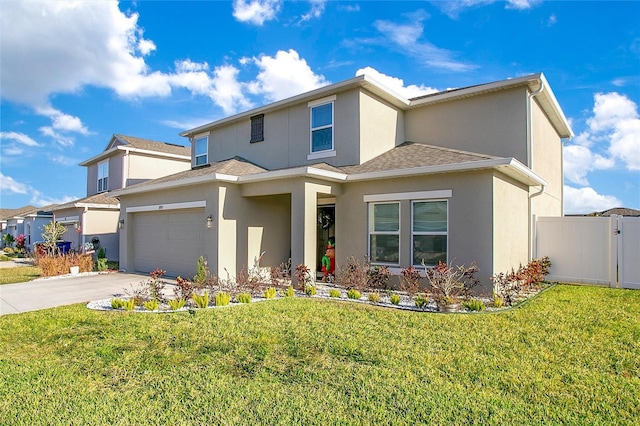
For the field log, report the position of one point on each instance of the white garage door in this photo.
(172, 240)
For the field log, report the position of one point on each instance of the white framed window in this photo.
(201, 150)
(322, 115)
(103, 176)
(429, 231)
(384, 233)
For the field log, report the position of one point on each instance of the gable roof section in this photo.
(19, 212)
(144, 146)
(103, 200)
(546, 98)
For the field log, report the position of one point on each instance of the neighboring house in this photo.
(453, 176)
(26, 220)
(125, 161)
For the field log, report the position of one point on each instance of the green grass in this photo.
(570, 356)
(19, 275)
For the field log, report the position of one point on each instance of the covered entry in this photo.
(171, 240)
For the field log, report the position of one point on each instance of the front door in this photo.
(326, 230)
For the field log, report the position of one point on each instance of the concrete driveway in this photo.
(46, 293)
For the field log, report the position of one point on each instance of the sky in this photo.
(72, 74)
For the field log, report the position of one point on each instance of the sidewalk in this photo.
(50, 292)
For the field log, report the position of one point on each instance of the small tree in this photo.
(53, 231)
(8, 239)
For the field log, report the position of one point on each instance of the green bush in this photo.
(498, 301)
(151, 305)
(117, 303)
(310, 290)
(395, 299)
(474, 305)
(201, 300)
(354, 294)
(175, 304)
(334, 292)
(244, 298)
(420, 301)
(270, 293)
(290, 292)
(374, 297)
(129, 304)
(223, 299)
(101, 264)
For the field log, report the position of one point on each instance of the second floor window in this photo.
(103, 176)
(257, 128)
(201, 150)
(322, 127)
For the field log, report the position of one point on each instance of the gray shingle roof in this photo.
(103, 198)
(410, 155)
(20, 211)
(151, 145)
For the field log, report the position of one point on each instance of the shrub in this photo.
(395, 299)
(101, 264)
(200, 278)
(420, 301)
(270, 293)
(378, 277)
(334, 292)
(290, 292)
(374, 297)
(8, 239)
(20, 241)
(353, 274)
(59, 265)
(508, 285)
(352, 293)
(303, 276)
(449, 282)
(410, 280)
(155, 285)
(244, 298)
(53, 231)
(223, 299)
(175, 304)
(129, 304)
(310, 290)
(497, 301)
(183, 289)
(201, 300)
(117, 303)
(151, 305)
(474, 305)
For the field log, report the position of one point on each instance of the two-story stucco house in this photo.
(456, 175)
(125, 161)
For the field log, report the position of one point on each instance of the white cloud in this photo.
(452, 8)
(405, 37)
(579, 161)
(396, 84)
(317, 9)
(39, 199)
(256, 11)
(587, 200)
(64, 160)
(18, 137)
(8, 185)
(284, 75)
(59, 138)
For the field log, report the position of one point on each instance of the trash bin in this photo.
(63, 246)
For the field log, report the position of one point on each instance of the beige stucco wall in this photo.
(104, 225)
(547, 162)
(493, 124)
(141, 167)
(510, 224)
(115, 174)
(381, 126)
(470, 222)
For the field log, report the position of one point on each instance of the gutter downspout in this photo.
(82, 226)
(530, 97)
(125, 168)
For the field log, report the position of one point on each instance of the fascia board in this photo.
(214, 177)
(101, 156)
(111, 151)
(98, 206)
(359, 81)
(293, 173)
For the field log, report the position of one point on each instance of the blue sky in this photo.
(73, 74)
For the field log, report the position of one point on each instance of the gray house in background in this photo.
(453, 176)
(27, 220)
(125, 161)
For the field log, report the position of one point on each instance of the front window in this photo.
(429, 232)
(257, 128)
(322, 127)
(103, 176)
(384, 233)
(201, 150)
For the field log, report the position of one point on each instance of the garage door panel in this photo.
(172, 241)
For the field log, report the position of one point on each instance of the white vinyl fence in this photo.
(591, 250)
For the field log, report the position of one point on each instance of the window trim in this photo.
(414, 233)
(371, 231)
(257, 137)
(315, 104)
(102, 183)
(195, 148)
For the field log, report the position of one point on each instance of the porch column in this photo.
(304, 226)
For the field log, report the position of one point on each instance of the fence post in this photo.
(613, 251)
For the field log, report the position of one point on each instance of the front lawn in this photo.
(19, 274)
(572, 355)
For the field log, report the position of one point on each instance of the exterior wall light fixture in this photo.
(209, 221)
(121, 224)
